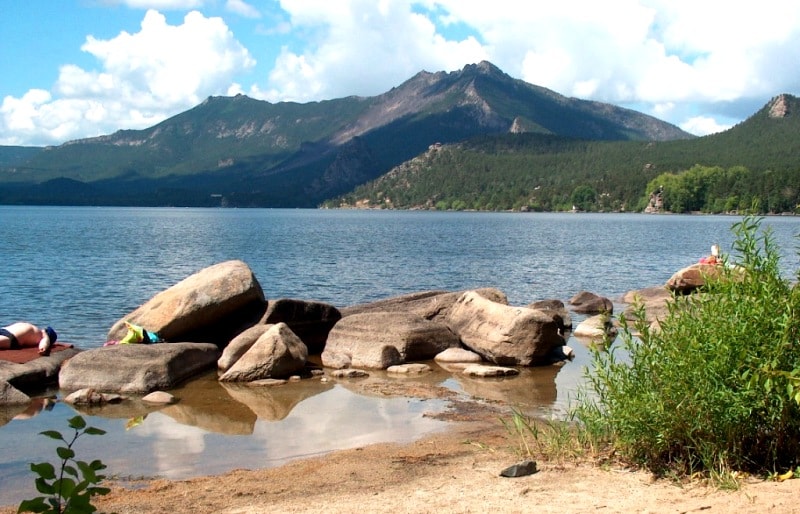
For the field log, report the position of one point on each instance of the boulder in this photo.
(37, 374)
(431, 305)
(557, 308)
(503, 334)
(276, 354)
(310, 321)
(211, 306)
(586, 302)
(381, 339)
(10, 395)
(691, 278)
(137, 368)
(653, 299)
(234, 350)
(596, 327)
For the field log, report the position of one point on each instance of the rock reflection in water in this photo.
(533, 391)
(274, 403)
(205, 404)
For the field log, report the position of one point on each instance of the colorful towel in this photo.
(29, 353)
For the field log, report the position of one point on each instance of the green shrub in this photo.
(70, 490)
(717, 388)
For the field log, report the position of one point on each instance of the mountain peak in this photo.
(483, 67)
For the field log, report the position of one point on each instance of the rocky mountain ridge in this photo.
(257, 153)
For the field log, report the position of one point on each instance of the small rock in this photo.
(522, 469)
(409, 369)
(161, 397)
(266, 382)
(457, 355)
(479, 370)
(596, 327)
(349, 373)
(89, 396)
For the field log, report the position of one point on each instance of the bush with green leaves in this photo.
(70, 489)
(717, 387)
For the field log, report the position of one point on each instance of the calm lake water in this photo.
(81, 269)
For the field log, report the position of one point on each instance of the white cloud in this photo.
(163, 4)
(702, 126)
(242, 8)
(645, 52)
(159, 71)
(361, 47)
(660, 55)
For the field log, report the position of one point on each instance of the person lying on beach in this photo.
(25, 335)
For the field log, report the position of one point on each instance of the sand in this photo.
(454, 471)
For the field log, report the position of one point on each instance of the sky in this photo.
(71, 69)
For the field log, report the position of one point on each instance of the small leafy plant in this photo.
(69, 491)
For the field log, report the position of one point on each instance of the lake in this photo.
(80, 269)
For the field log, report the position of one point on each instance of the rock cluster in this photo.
(219, 318)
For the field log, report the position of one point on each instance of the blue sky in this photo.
(71, 69)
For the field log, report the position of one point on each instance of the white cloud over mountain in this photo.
(702, 65)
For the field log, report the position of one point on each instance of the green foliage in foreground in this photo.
(717, 388)
(70, 490)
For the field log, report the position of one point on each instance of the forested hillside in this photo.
(756, 161)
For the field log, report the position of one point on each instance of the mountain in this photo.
(757, 160)
(238, 151)
(11, 156)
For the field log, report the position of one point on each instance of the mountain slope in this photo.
(255, 153)
(547, 172)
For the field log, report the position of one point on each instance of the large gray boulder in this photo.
(692, 278)
(378, 340)
(431, 305)
(654, 300)
(239, 346)
(556, 308)
(10, 395)
(278, 353)
(310, 321)
(38, 374)
(211, 306)
(586, 302)
(502, 334)
(137, 368)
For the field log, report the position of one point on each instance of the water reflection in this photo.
(274, 403)
(211, 431)
(532, 391)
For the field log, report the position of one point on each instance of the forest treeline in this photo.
(756, 162)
